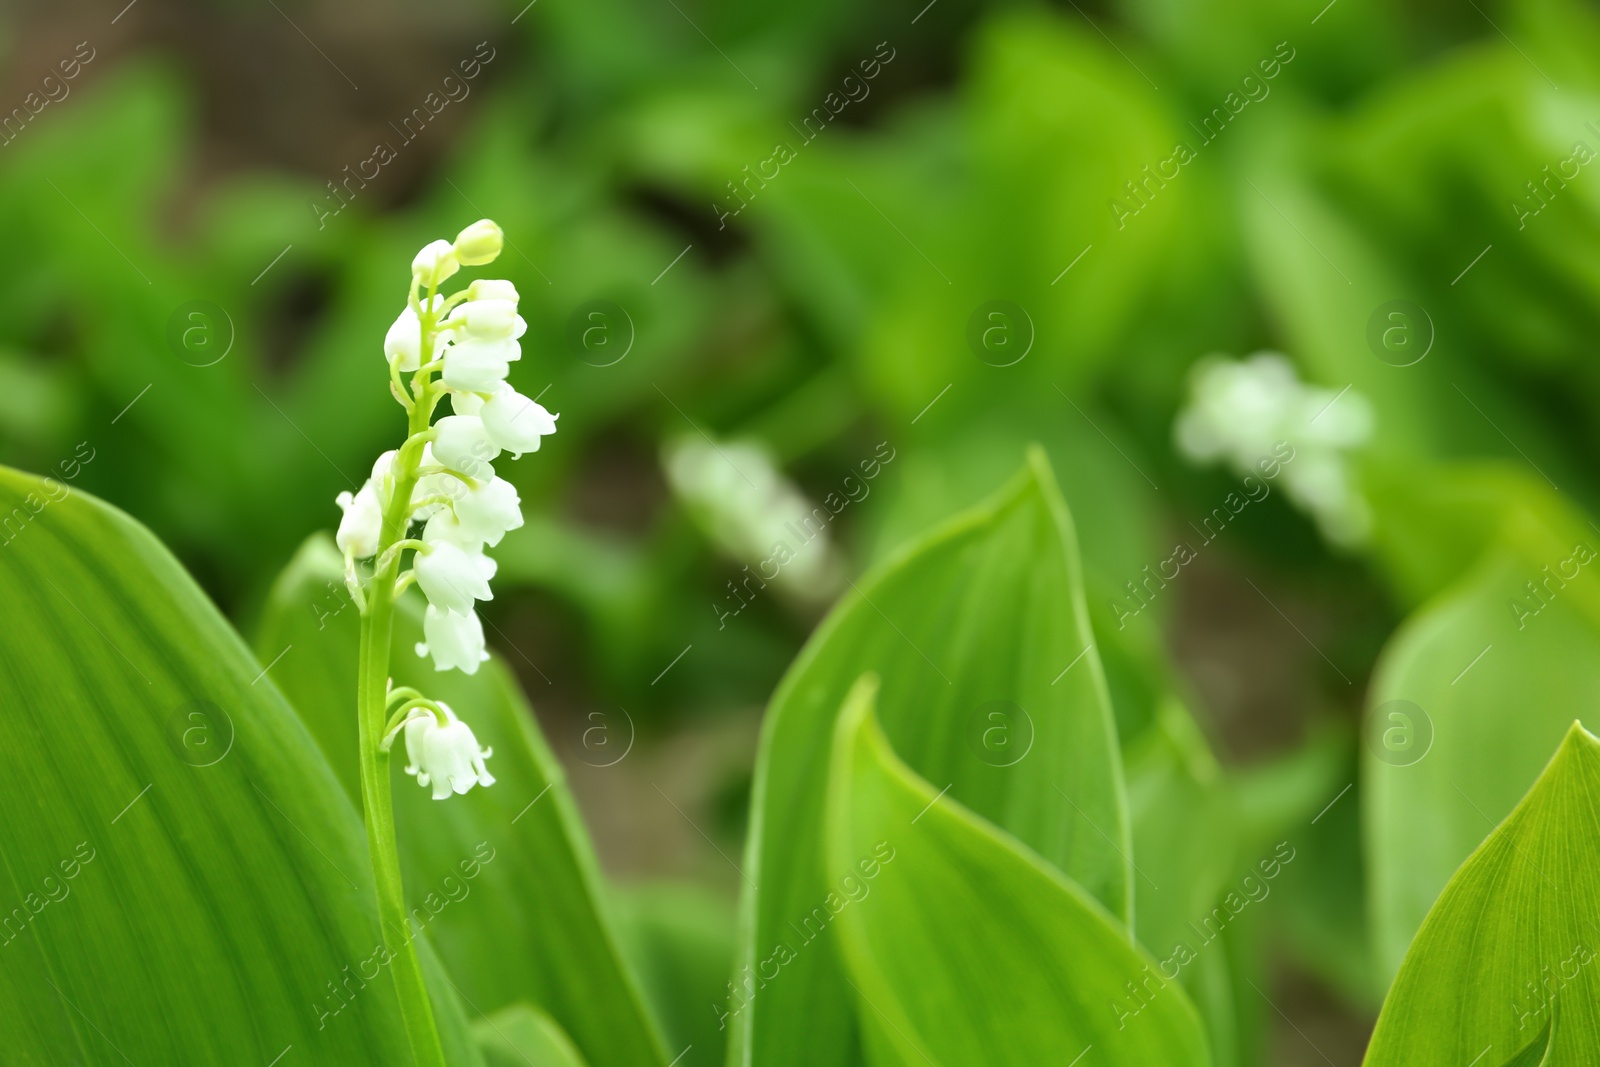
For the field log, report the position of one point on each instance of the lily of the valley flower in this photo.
(362, 524)
(452, 577)
(492, 318)
(479, 364)
(436, 262)
(445, 755)
(463, 444)
(486, 511)
(514, 422)
(402, 345)
(453, 640)
(458, 346)
(1242, 412)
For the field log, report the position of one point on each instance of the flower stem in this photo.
(415, 1008)
(372, 699)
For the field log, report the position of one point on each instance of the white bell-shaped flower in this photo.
(466, 403)
(436, 262)
(362, 525)
(492, 320)
(382, 480)
(433, 485)
(463, 444)
(452, 576)
(403, 343)
(492, 289)
(477, 364)
(445, 756)
(515, 423)
(455, 641)
(488, 510)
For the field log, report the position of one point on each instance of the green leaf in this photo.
(991, 688)
(680, 939)
(1535, 1052)
(964, 946)
(1185, 847)
(184, 880)
(1468, 701)
(520, 1035)
(1435, 521)
(1510, 947)
(528, 922)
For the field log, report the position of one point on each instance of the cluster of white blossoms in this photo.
(443, 479)
(1241, 411)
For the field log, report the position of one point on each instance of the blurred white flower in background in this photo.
(1238, 411)
(756, 516)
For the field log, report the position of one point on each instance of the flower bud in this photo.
(436, 262)
(479, 243)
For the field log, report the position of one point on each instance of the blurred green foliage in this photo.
(1401, 153)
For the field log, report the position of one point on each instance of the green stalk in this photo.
(377, 627)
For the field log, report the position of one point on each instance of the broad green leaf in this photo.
(1325, 278)
(1182, 826)
(680, 940)
(520, 1035)
(1435, 521)
(1185, 848)
(1509, 949)
(1468, 701)
(1535, 1052)
(965, 947)
(991, 688)
(185, 882)
(507, 873)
